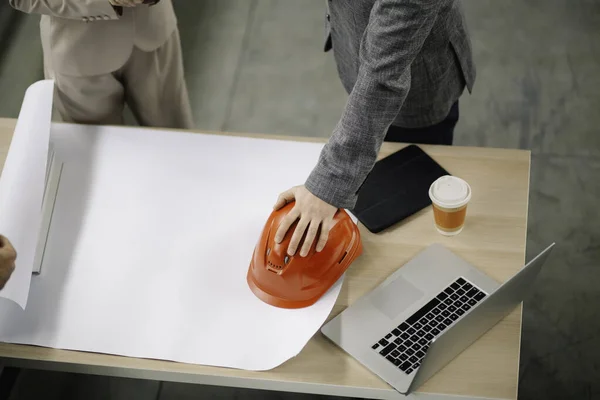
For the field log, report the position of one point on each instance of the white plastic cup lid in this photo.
(450, 192)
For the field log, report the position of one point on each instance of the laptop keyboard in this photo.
(406, 345)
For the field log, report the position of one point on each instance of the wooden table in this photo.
(493, 240)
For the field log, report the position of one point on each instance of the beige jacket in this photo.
(88, 37)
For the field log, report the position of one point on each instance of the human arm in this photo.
(393, 38)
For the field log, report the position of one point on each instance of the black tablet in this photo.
(396, 188)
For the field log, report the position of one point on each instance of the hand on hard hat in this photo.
(312, 213)
(8, 255)
(290, 281)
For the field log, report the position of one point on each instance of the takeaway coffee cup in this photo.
(449, 196)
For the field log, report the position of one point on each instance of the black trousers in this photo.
(441, 133)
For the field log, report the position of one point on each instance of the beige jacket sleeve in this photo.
(85, 10)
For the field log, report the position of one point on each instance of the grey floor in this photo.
(258, 66)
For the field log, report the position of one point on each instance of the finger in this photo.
(5, 273)
(297, 236)
(313, 228)
(7, 251)
(323, 237)
(285, 224)
(284, 198)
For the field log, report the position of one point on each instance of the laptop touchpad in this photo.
(395, 297)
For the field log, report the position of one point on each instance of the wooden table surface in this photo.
(493, 240)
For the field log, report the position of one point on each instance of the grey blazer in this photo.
(403, 62)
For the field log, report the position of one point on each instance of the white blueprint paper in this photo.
(22, 186)
(149, 246)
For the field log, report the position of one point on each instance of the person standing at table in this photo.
(103, 54)
(404, 63)
(8, 256)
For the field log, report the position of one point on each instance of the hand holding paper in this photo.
(22, 186)
(8, 255)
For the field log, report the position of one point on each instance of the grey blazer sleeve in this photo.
(394, 36)
(70, 9)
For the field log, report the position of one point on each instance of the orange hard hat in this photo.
(294, 281)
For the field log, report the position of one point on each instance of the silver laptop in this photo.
(425, 314)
